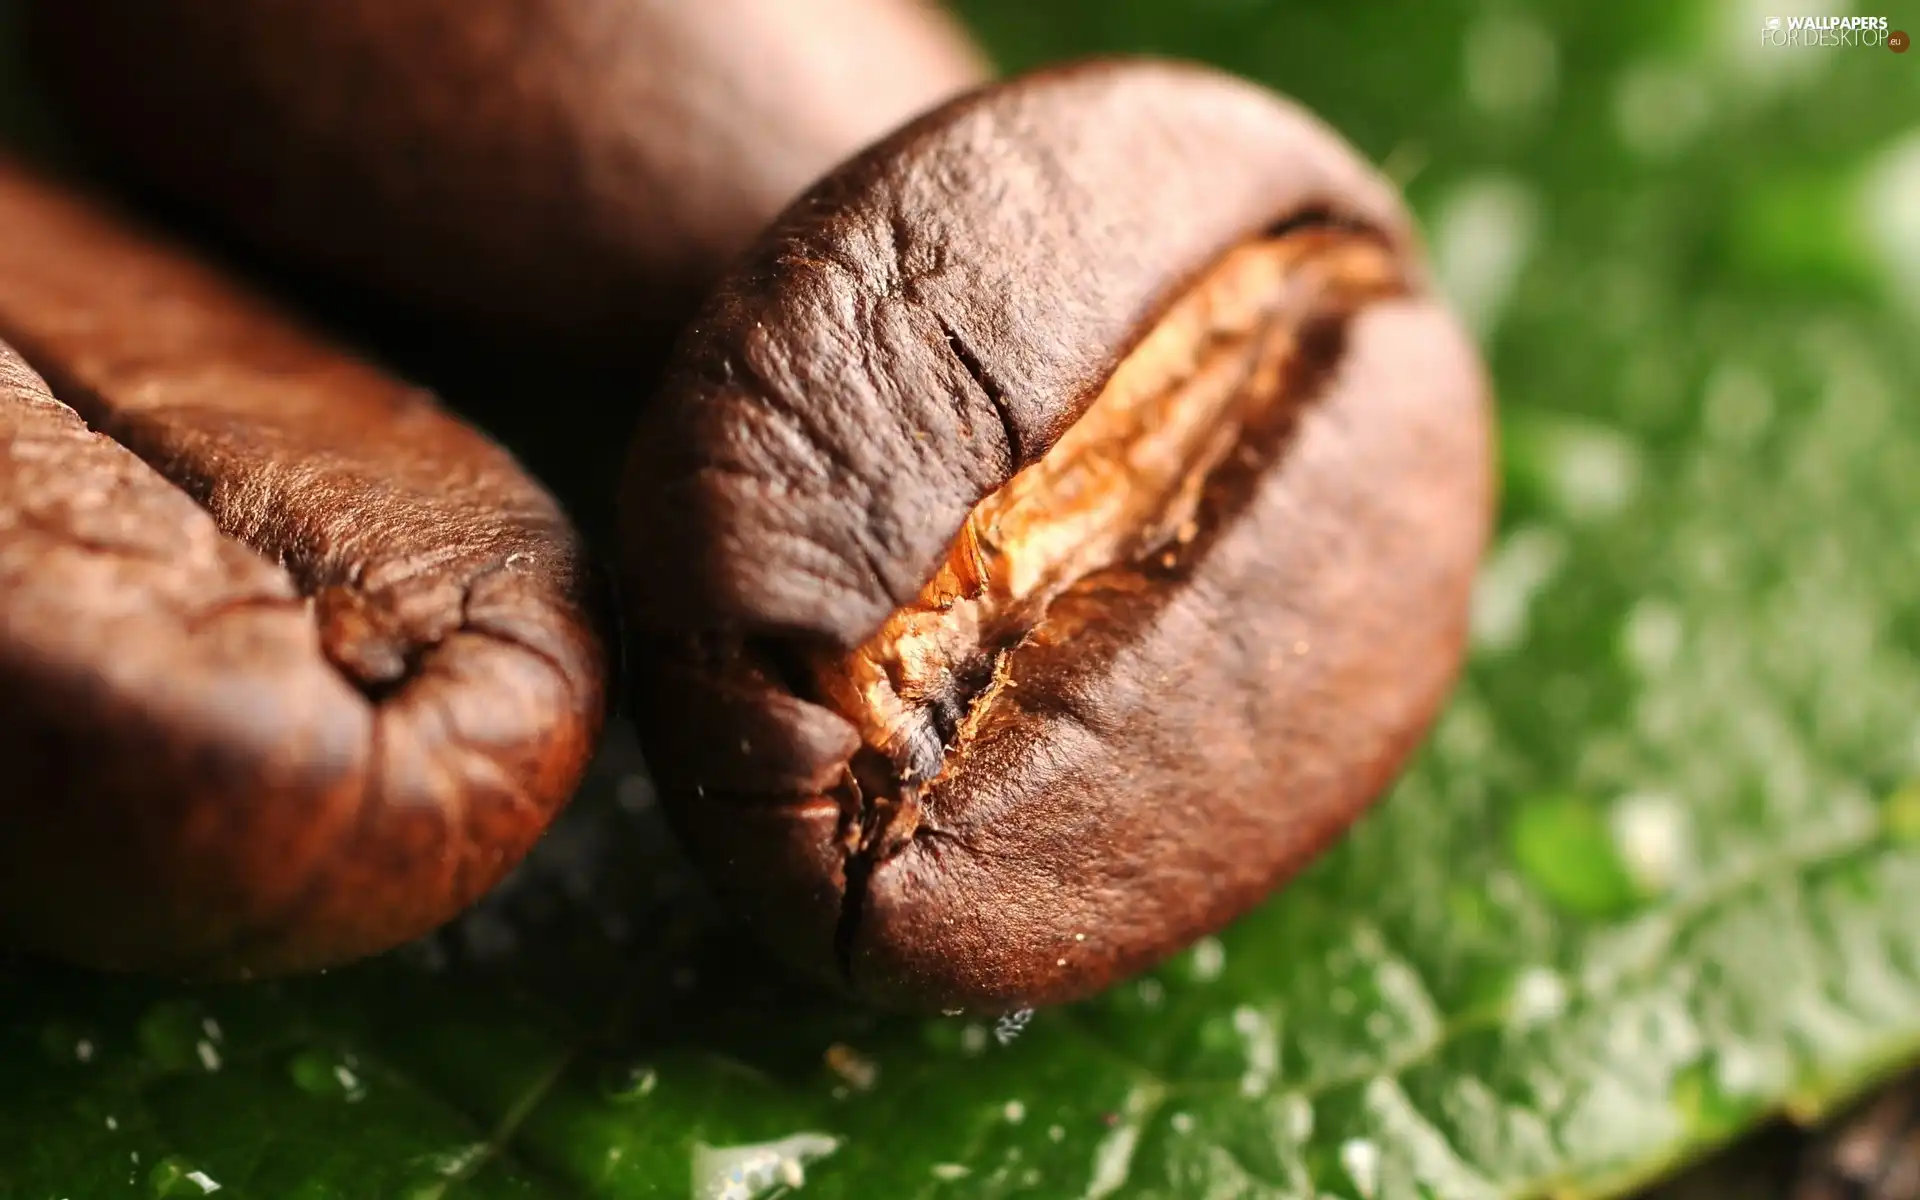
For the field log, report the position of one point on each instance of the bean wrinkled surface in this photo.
(1053, 533)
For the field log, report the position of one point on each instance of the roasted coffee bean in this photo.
(293, 666)
(561, 168)
(1052, 535)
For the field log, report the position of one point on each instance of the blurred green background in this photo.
(1652, 883)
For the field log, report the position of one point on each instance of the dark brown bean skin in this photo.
(293, 665)
(575, 169)
(1176, 733)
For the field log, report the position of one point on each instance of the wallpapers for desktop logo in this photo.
(1872, 32)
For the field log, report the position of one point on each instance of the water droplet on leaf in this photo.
(754, 1171)
(1710, 1108)
(1207, 959)
(331, 1076)
(69, 1042)
(1539, 995)
(628, 1083)
(174, 1176)
(1361, 1159)
(170, 1034)
(1566, 849)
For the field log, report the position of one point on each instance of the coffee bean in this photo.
(293, 666)
(567, 168)
(1052, 535)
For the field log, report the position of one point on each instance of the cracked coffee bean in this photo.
(293, 665)
(1052, 535)
(571, 169)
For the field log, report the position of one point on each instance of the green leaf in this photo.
(1652, 880)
